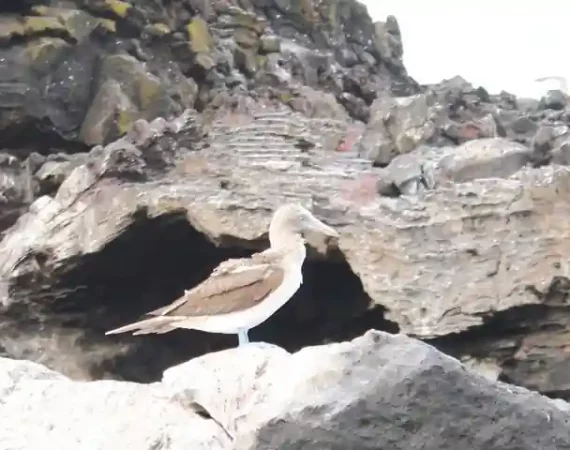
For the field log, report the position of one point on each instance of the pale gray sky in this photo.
(498, 44)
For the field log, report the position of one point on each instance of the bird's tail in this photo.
(156, 325)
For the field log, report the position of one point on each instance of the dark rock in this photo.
(376, 143)
(405, 123)
(485, 127)
(524, 125)
(35, 161)
(356, 107)
(54, 172)
(554, 99)
(314, 103)
(483, 158)
(546, 138)
(388, 40)
(386, 187)
(406, 173)
(387, 384)
(126, 92)
(246, 60)
(378, 386)
(17, 188)
(170, 44)
(270, 44)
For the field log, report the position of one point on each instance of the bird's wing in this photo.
(234, 287)
(235, 264)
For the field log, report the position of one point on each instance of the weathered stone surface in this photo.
(454, 112)
(554, 99)
(376, 143)
(444, 262)
(482, 158)
(392, 392)
(377, 391)
(55, 170)
(17, 188)
(95, 415)
(411, 124)
(459, 238)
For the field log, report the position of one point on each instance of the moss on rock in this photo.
(199, 36)
(118, 7)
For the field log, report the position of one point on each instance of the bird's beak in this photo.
(315, 224)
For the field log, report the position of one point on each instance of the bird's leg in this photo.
(242, 337)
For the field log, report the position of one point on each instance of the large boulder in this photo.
(41, 408)
(377, 391)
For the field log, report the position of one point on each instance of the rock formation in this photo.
(144, 142)
(378, 391)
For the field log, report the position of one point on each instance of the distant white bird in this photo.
(242, 293)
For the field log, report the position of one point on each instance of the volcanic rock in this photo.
(377, 391)
(145, 142)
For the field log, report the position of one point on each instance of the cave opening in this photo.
(37, 136)
(154, 260)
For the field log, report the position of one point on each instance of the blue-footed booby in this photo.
(242, 293)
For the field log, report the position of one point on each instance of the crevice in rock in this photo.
(35, 136)
(524, 342)
(149, 265)
(21, 6)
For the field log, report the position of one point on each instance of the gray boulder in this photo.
(377, 391)
(42, 409)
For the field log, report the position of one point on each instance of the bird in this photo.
(242, 293)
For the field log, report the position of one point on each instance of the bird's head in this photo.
(293, 219)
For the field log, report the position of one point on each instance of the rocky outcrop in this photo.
(145, 142)
(454, 112)
(151, 214)
(78, 74)
(378, 391)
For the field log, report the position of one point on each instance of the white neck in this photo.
(282, 237)
(291, 244)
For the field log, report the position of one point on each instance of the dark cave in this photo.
(153, 261)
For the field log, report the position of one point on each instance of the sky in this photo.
(500, 44)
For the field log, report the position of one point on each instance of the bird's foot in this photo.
(243, 339)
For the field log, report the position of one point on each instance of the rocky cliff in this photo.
(144, 142)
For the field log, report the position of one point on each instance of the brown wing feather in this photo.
(264, 257)
(226, 292)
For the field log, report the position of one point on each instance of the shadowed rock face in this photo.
(135, 256)
(149, 265)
